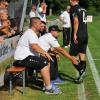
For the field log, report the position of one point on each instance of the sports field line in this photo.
(96, 59)
(94, 70)
(81, 92)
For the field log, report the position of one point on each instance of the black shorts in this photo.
(33, 62)
(81, 47)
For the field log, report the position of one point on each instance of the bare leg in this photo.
(45, 73)
(82, 56)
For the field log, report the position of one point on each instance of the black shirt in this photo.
(82, 16)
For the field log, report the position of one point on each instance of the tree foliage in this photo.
(93, 6)
(57, 5)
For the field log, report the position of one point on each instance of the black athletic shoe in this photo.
(80, 78)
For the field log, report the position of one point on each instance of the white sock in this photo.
(48, 87)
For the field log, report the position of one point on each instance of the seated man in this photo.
(49, 41)
(28, 53)
(43, 28)
(5, 25)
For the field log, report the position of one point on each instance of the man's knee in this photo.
(43, 63)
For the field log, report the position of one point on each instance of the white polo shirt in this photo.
(23, 48)
(66, 19)
(47, 41)
(32, 14)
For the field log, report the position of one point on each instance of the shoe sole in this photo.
(60, 83)
(48, 93)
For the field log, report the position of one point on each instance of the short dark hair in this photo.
(33, 20)
(53, 28)
(43, 22)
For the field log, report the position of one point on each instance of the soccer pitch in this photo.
(88, 90)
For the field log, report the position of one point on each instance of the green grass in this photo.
(94, 41)
(51, 17)
(94, 45)
(66, 70)
(5, 63)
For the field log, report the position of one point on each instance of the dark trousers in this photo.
(53, 68)
(66, 36)
(32, 63)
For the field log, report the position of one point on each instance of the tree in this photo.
(56, 5)
(92, 6)
(97, 5)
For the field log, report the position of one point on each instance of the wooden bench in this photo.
(15, 70)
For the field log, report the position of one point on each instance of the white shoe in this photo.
(65, 47)
(68, 46)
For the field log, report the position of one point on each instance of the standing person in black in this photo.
(79, 36)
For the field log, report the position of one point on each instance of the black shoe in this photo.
(80, 78)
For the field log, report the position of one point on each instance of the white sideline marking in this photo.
(81, 92)
(94, 70)
(96, 59)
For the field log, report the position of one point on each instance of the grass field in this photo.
(71, 91)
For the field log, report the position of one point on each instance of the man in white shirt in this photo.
(65, 18)
(48, 42)
(29, 54)
(33, 11)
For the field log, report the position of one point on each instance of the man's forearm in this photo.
(64, 52)
(38, 49)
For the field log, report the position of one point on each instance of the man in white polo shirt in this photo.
(29, 54)
(65, 18)
(48, 42)
(33, 11)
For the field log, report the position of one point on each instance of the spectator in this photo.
(1, 39)
(79, 36)
(29, 54)
(3, 4)
(53, 64)
(65, 18)
(43, 29)
(33, 11)
(42, 11)
(5, 25)
(49, 43)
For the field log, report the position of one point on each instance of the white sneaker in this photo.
(65, 47)
(53, 90)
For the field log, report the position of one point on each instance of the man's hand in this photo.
(48, 56)
(75, 39)
(74, 60)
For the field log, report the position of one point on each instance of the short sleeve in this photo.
(32, 14)
(54, 42)
(62, 15)
(75, 13)
(33, 39)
